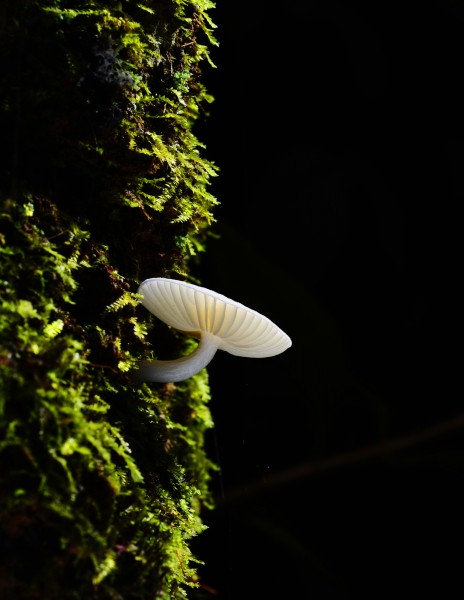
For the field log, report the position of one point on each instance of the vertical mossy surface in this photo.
(102, 184)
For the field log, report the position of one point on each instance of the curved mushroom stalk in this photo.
(167, 371)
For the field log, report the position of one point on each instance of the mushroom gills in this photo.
(167, 371)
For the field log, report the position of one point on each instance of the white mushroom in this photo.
(219, 323)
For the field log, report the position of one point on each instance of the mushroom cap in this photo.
(196, 310)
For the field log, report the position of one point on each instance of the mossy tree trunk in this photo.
(102, 184)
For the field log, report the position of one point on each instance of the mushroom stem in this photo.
(167, 371)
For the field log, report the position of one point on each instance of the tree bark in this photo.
(102, 184)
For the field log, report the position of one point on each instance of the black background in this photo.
(337, 128)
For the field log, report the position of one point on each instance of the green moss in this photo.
(102, 183)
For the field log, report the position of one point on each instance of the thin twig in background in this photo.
(340, 460)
